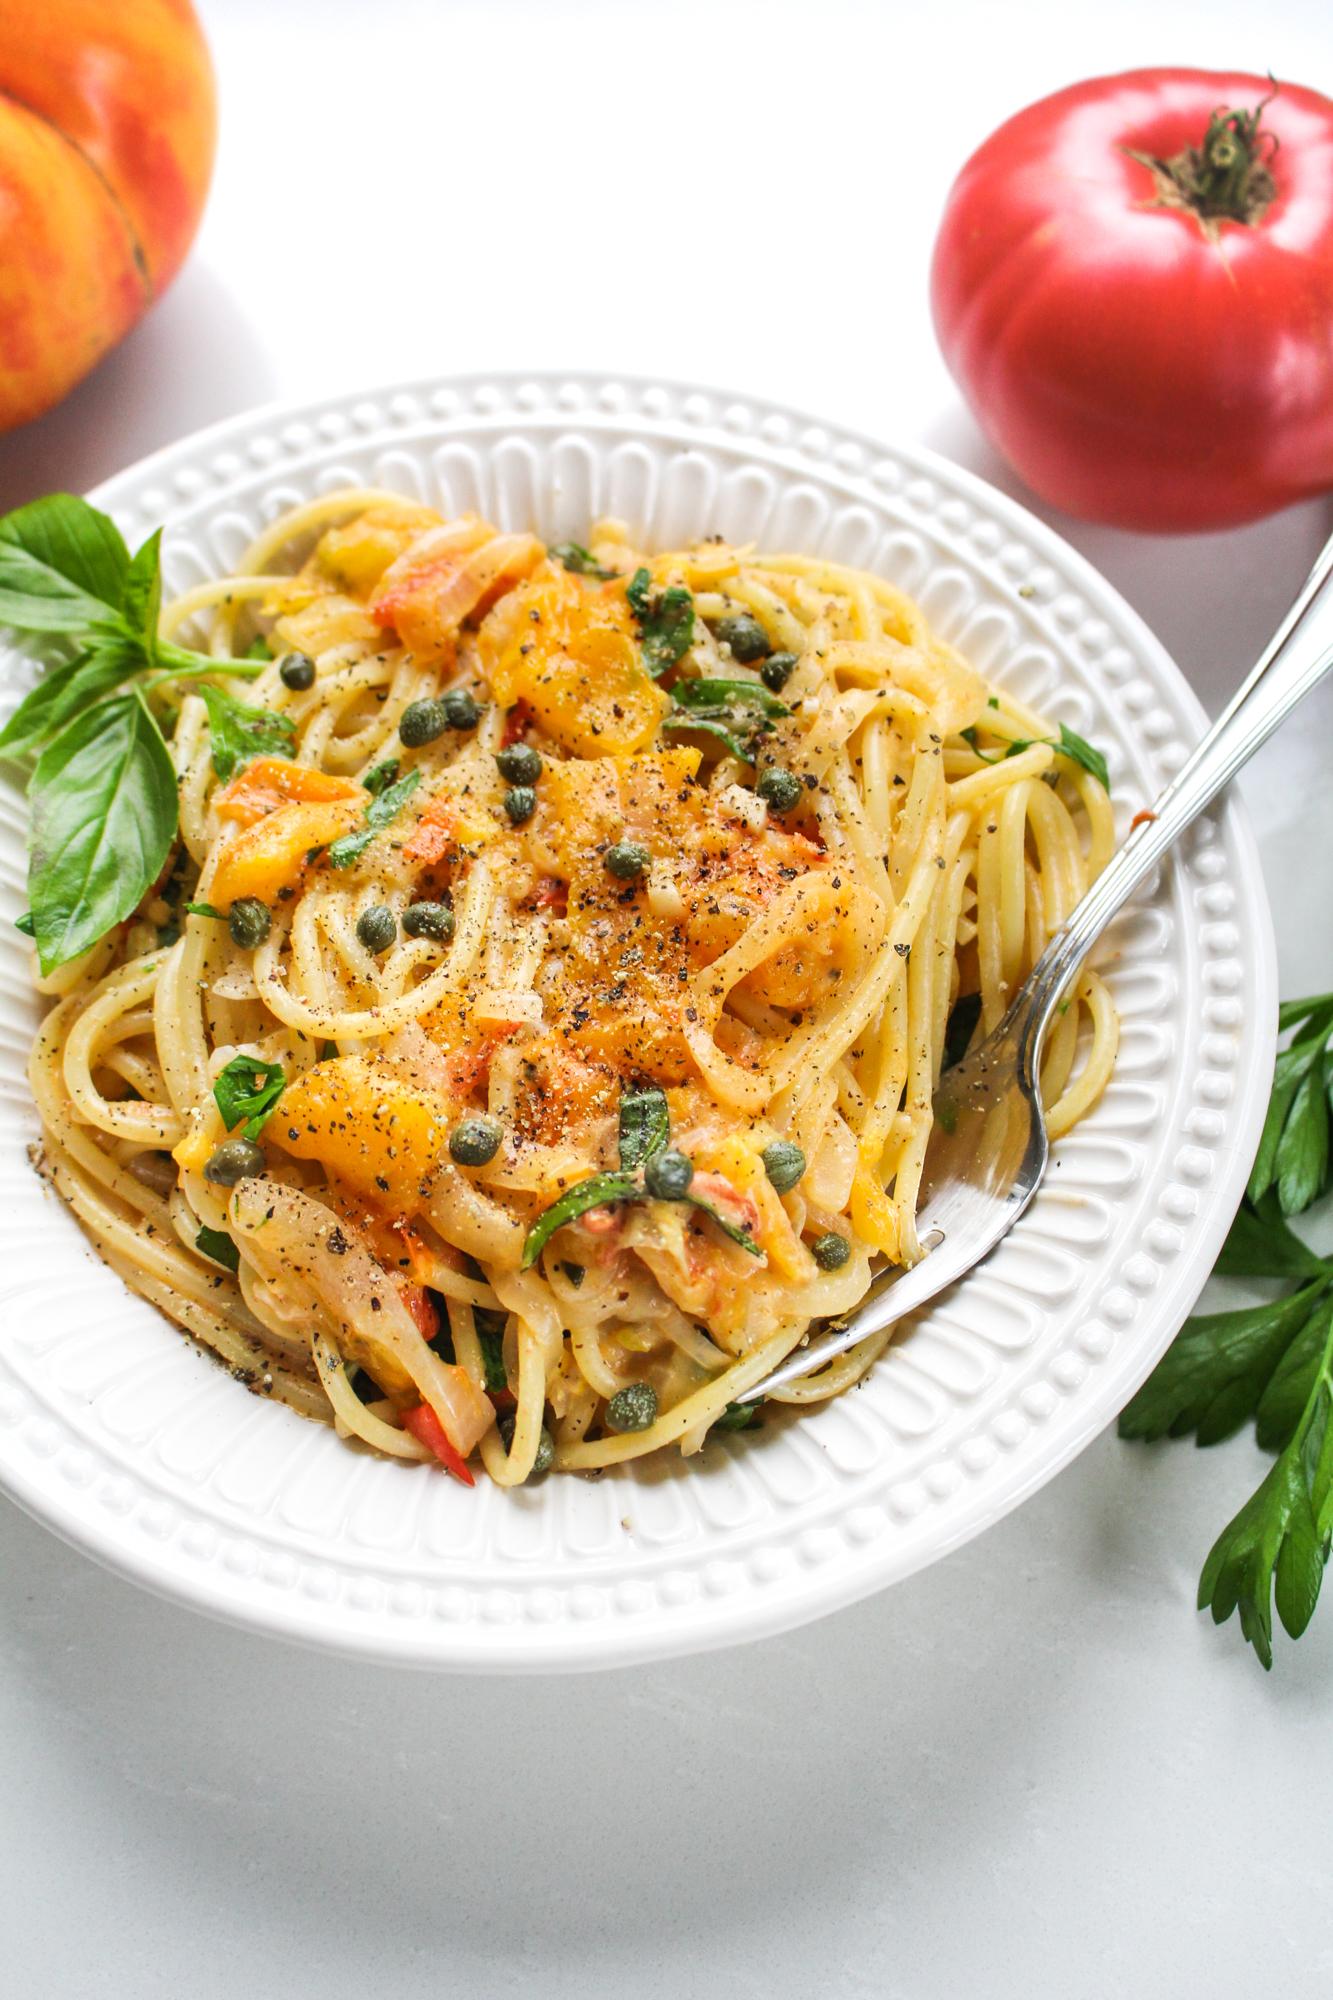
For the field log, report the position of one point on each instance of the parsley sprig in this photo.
(1069, 743)
(103, 787)
(1272, 1362)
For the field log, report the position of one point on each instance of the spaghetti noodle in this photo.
(549, 1032)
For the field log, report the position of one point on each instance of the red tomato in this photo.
(1136, 361)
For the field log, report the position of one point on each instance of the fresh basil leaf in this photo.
(141, 594)
(741, 1236)
(1018, 746)
(216, 1243)
(25, 924)
(711, 693)
(1260, 1245)
(706, 726)
(204, 910)
(62, 565)
(381, 777)
(592, 1193)
(240, 733)
(580, 561)
(1084, 754)
(379, 812)
(103, 819)
(645, 1128)
(258, 649)
(969, 736)
(247, 1091)
(68, 690)
(665, 619)
(1216, 1369)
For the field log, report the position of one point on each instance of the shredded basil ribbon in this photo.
(645, 1131)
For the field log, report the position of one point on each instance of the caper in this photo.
(460, 709)
(429, 920)
(234, 1160)
(520, 763)
(777, 670)
(745, 636)
(377, 927)
(520, 802)
(830, 1252)
(297, 671)
(627, 860)
(249, 922)
(784, 1163)
(545, 1445)
(421, 722)
(633, 1408)
(667, 1175)
(782, 790)
(475, 1141)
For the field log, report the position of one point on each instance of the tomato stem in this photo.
(1229, 178)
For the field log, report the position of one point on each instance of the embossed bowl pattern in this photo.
(136, 1448)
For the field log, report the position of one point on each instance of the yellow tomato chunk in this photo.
(374, 1133)
(572, 657)
(275, 853)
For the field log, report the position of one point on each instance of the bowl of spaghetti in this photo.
(608, 809)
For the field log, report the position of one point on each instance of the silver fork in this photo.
(988, 1148)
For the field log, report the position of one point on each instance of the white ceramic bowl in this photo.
(134, 1447)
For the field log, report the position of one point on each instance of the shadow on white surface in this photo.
(318, 1827)
(1213, 600)
(194, 360)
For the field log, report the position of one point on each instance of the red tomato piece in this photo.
(517, 723)
(1136, 360)
(422, 1309)
(426, 1427)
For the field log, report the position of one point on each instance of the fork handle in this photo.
(1295, 660)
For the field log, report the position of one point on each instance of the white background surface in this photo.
(1032, 1770)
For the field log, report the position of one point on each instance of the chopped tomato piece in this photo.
(517, 723)
(422, 1309)
(550, 894)
(270, 782)
(436, 833)
(426, 1427)
(470, 1068)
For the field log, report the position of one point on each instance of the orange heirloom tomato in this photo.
(107, 129)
